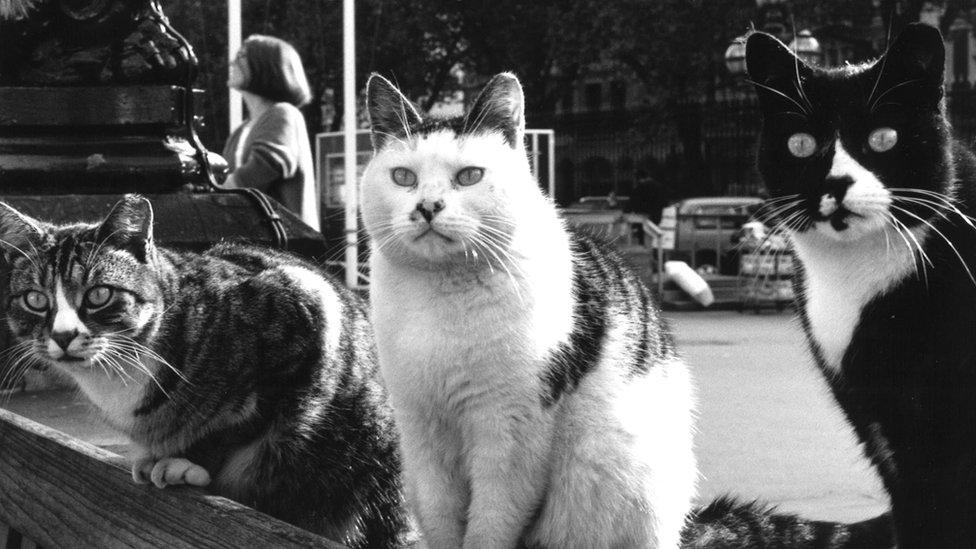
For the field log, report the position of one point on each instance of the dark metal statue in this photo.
(90, 42)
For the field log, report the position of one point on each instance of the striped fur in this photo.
(538, 394)
(726, 523)
(242, 368)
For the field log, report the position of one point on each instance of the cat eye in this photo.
(35, 301)
(469, 176)
(883, 139)
(403, 177)
(98, 296)
(802, 145)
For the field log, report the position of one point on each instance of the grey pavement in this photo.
(767, 428)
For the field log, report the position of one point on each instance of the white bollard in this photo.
(689, 281)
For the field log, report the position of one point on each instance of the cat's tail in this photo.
(727, 523)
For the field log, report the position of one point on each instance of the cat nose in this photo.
(836, 186)
(429, 208)
(64, 339)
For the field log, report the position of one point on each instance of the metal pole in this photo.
(236, 113)
(535, 155)
(349, 127)
(552, 165)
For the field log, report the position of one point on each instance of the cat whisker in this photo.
(777, 229)
(948, 202)
(17, 372)
(17, 353)
(778, 211)
(19, 367)
(482, 116)
(494, 251)
(29, 258)
(763, 251)
(884, 62)
(930, 205)
(391, 136)
(798, 84)
(944, 237)
(101, 360)
(120, 355)
(874, 105)
(803, 110)
(98, 248)
(914, 246)
(142, 350)
(887, 241)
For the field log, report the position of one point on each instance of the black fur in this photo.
(908, 378)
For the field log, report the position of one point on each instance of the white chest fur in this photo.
(841, 277)
(116, 396)
(444, 340)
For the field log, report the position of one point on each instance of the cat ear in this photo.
(916, 56)
(499, 107)
(774, 70)
(130, 226)
(390, 113)
(17, 231)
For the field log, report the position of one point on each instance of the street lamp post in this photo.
(806, 47)
(735, 56)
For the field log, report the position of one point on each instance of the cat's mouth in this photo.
(840, 218)
(432, 233)
(66, 359)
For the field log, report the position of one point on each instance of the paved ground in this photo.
(768, 429)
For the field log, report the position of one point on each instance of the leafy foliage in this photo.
(433, 48)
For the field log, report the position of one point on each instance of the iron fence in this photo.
(695, 148)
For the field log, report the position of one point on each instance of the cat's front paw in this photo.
(169, 472)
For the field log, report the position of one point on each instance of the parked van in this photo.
(700, 230)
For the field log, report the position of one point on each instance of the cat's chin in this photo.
(854, 229)
(68, 364)
(430, 251)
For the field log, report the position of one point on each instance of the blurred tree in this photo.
(432, 48)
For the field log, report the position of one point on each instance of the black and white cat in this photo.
(537, 391)
(877, 199)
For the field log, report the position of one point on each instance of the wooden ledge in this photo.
(58, 491)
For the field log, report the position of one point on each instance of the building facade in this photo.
(612, 138)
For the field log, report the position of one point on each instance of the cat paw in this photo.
(169, 472)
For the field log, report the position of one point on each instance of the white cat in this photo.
(537, 391)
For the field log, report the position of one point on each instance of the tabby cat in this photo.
(877, 199)
(241, 368)
(537, 390)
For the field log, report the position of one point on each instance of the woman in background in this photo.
(270, 150)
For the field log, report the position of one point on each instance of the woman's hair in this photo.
(275, 70)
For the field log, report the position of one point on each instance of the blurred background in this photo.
(647, 99)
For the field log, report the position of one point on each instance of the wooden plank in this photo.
(61, 492)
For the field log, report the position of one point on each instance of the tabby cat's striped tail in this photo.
(727, 523)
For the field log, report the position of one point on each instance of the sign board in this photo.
(333, 182)
(669, 227)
